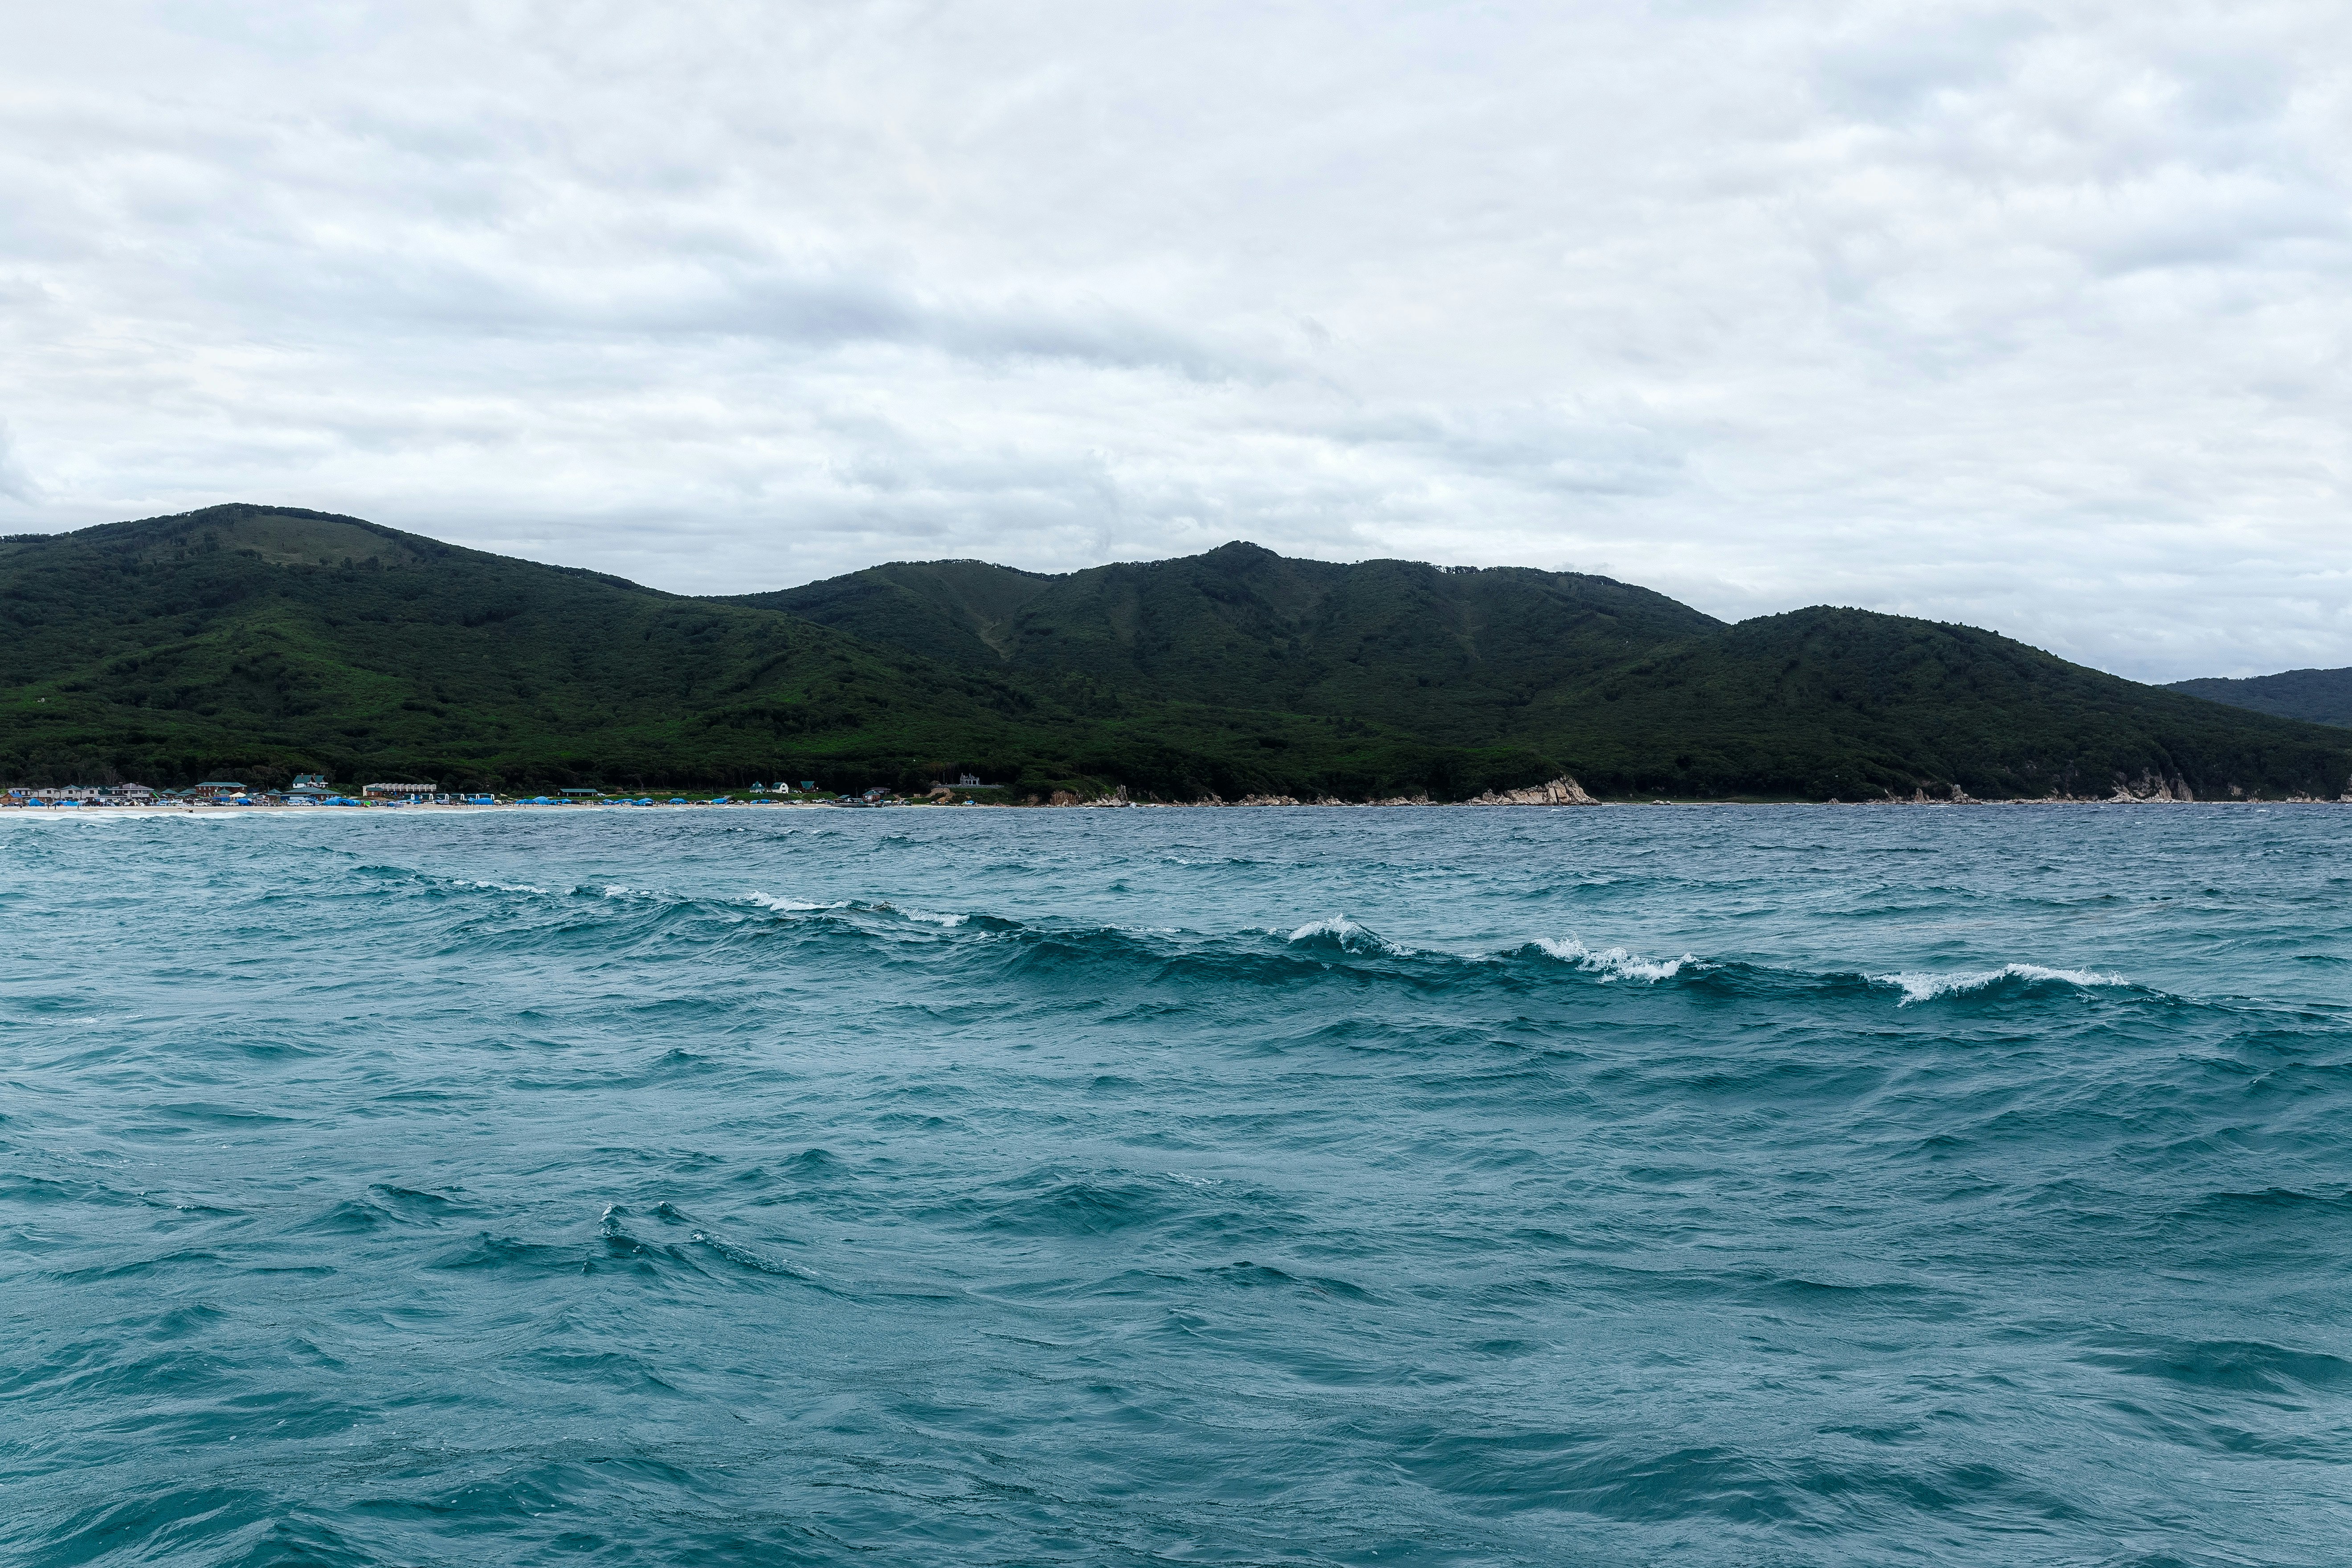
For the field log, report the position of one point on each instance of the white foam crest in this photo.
(948, 921)
(1347, 935)
(1615, 963)
(623, 891)
(1920, 985)
(788, 906)
(498, 887)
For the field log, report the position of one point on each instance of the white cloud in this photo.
(16, 484)
(2029, 318)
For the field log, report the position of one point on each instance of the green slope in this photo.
(1846, 703)
(258, 642)
(1453, 655)
(1632, 692)
(2316, 695)
(958, 611)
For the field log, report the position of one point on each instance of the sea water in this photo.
(1631, 1185)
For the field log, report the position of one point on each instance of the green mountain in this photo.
(1632, 692)
(2318, 696)
(1450, 653)
(256, 642)
(1848, 704)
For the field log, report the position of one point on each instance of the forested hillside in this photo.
(256, 642)
(1848, 704)
(1453, 654)
(1632, 692)
(2318, 696)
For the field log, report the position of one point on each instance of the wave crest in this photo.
(790, 906)
(1615, 963)
(1919, 985)
(1340, 934)
(1334, 941)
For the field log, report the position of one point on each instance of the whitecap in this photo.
(1919, 985)
(1345, 934)
(788, 906)
(1615, 962)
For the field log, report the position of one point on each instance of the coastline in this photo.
(210, 812)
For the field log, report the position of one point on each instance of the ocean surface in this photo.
(1699, 1186)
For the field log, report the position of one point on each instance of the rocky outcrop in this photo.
(2150, 787)
(1561, 791)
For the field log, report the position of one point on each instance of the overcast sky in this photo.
(2032, 317)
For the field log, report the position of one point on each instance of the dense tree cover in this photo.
(1632, 692)
(258, 642)
(1848, 704)
(2319, 696)
(1453, 655)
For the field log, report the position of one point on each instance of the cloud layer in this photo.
(2031, 317)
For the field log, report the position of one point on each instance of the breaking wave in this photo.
(1615, 963)
(1337, 933)
(793, 905)
(1926, 986)
(1320, 944)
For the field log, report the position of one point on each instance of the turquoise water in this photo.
(1674, 1185)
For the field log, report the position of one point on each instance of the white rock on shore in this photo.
(1561, 791)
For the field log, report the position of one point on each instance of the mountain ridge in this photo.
(1267, 631)
(265, 640)
(2314, 696)
(1882, 702)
